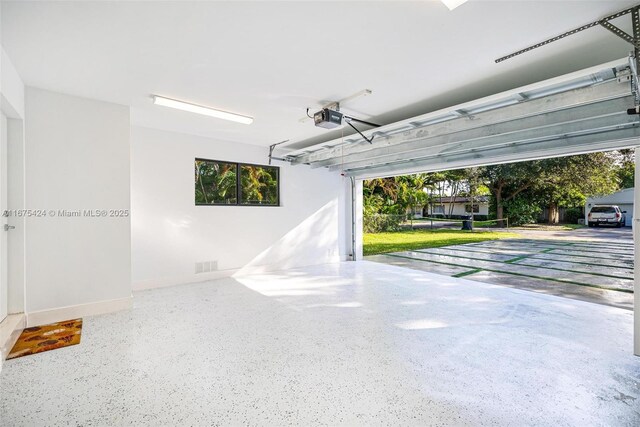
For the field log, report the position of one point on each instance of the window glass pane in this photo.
(259, 185)
(215, 183)
(603, 209)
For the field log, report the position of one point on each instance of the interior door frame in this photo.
(15, 201)
(4, 263)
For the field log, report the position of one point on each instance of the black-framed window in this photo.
(221, 183)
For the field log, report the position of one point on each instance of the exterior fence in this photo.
(377, 223)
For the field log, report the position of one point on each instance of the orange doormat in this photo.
(47, 337)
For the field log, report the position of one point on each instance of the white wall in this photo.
(77, 156)
(11, 88)
(358, 222)
(170, 234)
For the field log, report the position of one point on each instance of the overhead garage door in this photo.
(578, 113)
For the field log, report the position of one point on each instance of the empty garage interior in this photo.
(167, 186)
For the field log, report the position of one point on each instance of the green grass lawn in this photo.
(380, 243)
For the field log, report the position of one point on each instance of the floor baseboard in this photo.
(35, 318)
(142, 285)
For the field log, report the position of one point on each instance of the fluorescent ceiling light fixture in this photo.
(199, 109)
(452, 4)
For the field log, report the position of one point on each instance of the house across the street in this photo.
(623, 199)
(456, 207)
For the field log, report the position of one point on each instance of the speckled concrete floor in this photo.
(353, 344)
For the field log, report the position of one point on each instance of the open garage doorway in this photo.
(501, 225)
(579, 113)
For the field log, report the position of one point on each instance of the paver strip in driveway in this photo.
(596, 271)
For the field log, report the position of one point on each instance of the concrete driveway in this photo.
(589, 234)
(597, 269)
(586, 233)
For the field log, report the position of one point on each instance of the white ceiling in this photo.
(272, 60)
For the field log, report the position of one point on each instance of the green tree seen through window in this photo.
(258, 185)
(218, 183)
(215, 183)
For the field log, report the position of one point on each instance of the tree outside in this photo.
(518, 191)
(217, 183)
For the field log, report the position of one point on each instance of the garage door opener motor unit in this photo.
(328, 119)
(331, 119)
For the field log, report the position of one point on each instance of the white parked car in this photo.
(606, 214)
